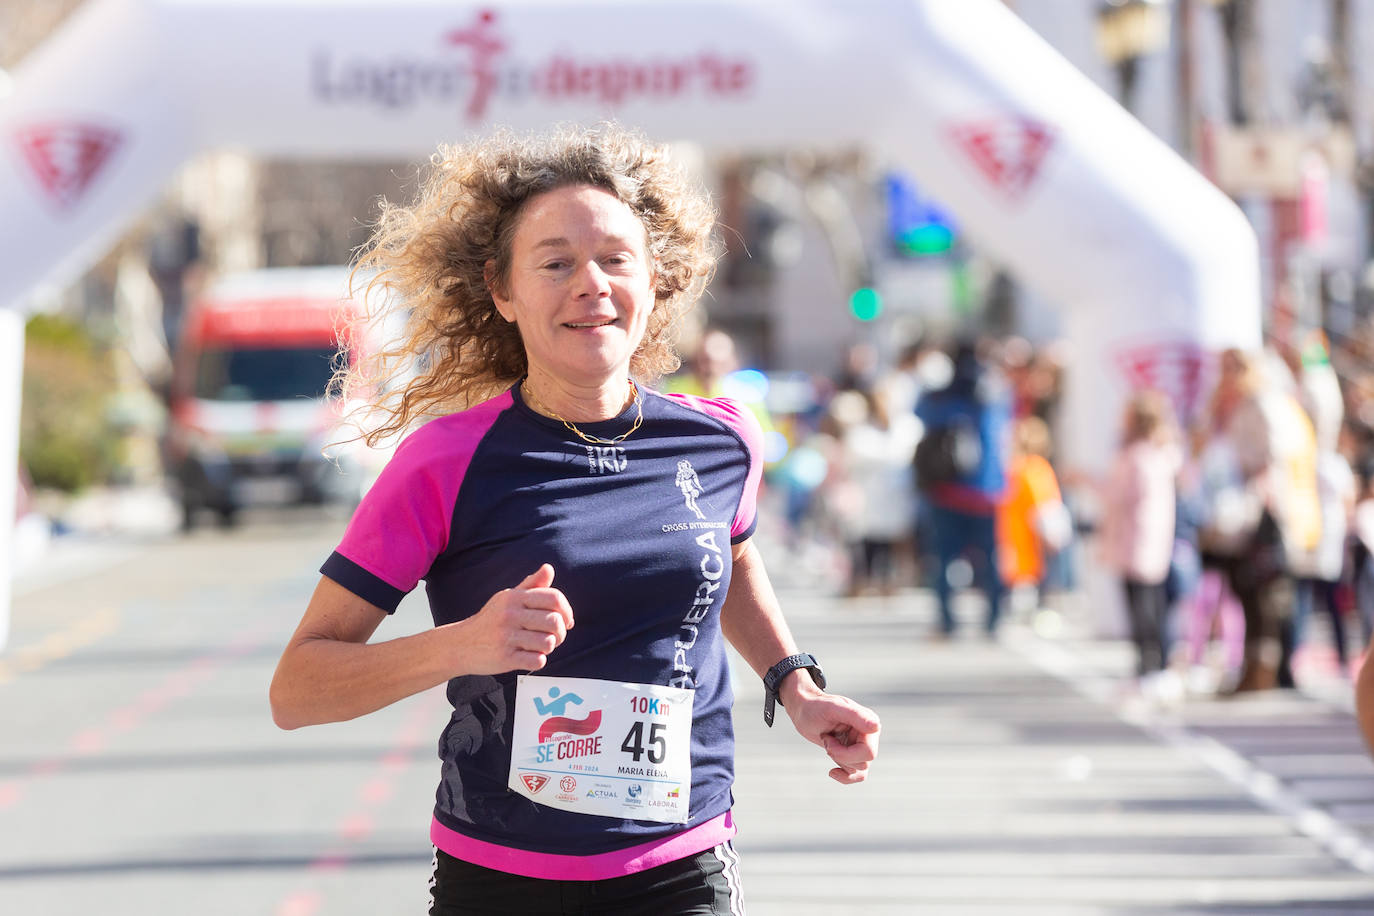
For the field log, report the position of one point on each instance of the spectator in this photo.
(712, 372)
(1138, 528)
(966, 427)
(1268, 513)
(902, 385)
(1212, 614)
(859, 370)
(713, 358)
(1321, 570)
(878, 449)
(1033, 523)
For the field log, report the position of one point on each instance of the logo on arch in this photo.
(481, 64)
(484, 47)
(66, 159)
(1172, 367)
(1008, 151)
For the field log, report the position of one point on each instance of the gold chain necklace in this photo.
(594, 440)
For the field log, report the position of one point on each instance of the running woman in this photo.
(585, 541)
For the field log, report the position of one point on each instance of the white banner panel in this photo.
(1152, 266)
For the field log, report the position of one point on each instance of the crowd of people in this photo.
(1231, 525)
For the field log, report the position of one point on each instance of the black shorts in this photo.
(706, 884)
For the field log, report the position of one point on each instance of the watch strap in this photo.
(773, 679)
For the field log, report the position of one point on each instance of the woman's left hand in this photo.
(847, 731)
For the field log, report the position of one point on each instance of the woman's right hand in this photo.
(518, 627)
(330, 672)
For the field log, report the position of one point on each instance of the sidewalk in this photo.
(91, 530)
(1015, 778)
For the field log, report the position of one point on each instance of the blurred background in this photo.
(826, 252)
(174, 412)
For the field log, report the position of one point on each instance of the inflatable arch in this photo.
(1151, 265)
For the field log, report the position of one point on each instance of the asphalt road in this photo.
(140, 772)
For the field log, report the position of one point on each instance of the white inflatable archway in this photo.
(1151, 265)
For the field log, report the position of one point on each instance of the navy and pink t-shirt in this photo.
(639, 536)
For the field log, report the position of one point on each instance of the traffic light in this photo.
(866, 303)
(917, 225)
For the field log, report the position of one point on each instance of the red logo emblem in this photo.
(533, 781)
(66, 158)
(1008, 151)
(567, 784)
(1173, 367)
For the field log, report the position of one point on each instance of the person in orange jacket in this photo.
(1032, 521)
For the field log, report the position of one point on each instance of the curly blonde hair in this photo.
(427, 262)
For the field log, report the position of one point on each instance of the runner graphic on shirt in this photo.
(690, 485)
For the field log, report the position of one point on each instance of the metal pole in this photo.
(1187, 89)
(1242, 64)
(11, 387)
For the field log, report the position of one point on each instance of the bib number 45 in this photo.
(656, 749)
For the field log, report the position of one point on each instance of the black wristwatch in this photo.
(774, 677)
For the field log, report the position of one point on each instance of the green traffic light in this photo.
(928, 239)
(866, 303)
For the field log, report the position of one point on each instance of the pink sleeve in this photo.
(402, 524)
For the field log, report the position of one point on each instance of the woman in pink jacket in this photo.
(1138, 522)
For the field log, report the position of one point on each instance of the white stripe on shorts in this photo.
(725, 853)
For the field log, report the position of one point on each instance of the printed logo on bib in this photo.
(626, 755)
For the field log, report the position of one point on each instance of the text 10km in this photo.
(650, 706)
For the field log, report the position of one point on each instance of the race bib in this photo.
(602, 747)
